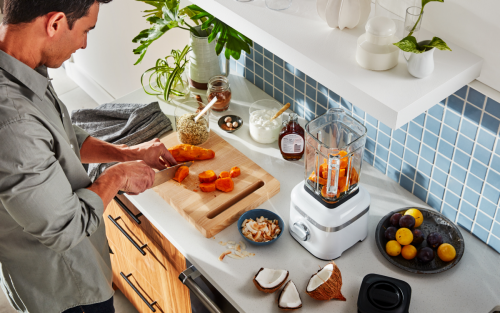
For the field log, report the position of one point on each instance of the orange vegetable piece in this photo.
(207, 187)
(224, 174)
(224, 184)
(341, 187)
(235, 172)
(184, 152)
(313, 177)
(182, 172)
(207, 177)
(354, 176)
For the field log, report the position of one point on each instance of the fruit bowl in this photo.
(433, 222)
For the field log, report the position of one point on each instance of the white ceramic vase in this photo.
(344, 13)
(203, 61)
(421, 65)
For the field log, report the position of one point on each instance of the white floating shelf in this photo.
(301, 38)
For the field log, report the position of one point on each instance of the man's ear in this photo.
(56, 23)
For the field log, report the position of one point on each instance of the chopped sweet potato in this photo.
(224, 184)
(235, 172)
(313, 178)
(184, 152)
(207, 177)
(354, 177)
(207, 187)
(182, 172)
(224, 174)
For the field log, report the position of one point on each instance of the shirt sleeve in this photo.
(36, 192)
(81, 135)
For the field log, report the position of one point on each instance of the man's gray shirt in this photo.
(53, 249)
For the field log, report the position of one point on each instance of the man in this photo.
(54, 254)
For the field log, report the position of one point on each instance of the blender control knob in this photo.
(301, 231)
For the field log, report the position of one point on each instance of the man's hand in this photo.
(154, 153)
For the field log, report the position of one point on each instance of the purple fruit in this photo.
(395, 219)
(434, 240)
(390, 233)
(407, 221)
(418, 237)
(425, 255)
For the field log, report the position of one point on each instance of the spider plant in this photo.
(165, 79)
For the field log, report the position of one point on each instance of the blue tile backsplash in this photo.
(448, 156)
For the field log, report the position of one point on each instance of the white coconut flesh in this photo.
(269, 278)
(290, 296)
(320, 278)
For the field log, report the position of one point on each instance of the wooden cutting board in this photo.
(211, 212)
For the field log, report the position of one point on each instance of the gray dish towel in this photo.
(121, 123)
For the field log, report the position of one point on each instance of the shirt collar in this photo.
(36, 80)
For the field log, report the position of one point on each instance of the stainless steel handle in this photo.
(150, 305)
(132, 241)
(187, 278)
(301, 231)
(132, 215)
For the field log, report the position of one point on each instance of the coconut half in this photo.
(289, 298)
(269, 280)
(326, 284)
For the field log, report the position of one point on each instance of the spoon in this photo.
(209, 105)
(283, 109)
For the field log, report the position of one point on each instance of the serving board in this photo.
(211, 212)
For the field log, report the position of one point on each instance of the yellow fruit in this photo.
(404, 236)
(446, 252)
(419, 218)
(393, 248)
(409, 252)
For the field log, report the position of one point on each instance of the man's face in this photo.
(66, 41)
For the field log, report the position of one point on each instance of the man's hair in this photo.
(25, 11)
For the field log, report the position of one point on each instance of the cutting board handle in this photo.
(242, 195)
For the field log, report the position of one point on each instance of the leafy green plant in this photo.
(410, 44)
(165, 79)
(166, 15)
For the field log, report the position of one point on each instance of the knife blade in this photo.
(168, 173)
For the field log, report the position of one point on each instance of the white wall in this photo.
(109, 59)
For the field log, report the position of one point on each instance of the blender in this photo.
(329, 210)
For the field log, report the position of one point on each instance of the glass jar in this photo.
(278, 5)
(218, 86)
(189, 132)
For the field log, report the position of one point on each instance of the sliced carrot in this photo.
(207, 187)
(235, 172)
(224, 174)
(224, 184)
(207, 177)
(182, 172)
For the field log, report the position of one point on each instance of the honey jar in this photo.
(218, 86)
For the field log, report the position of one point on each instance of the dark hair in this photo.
(25, 11)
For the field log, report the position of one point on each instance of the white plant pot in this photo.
(421, 65)
(203, 61)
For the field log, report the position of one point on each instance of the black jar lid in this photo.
(382, 294)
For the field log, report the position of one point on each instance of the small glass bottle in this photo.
(291, 141)
(218, 86)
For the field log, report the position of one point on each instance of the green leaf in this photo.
(409, 44)
(438, 43)
(424, 2)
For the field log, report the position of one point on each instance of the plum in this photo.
(434, 240)
(418, 237)
(425, 255)
(390, 233)
(407, 221)
(395, 219)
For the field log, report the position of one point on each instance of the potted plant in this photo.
(205, 48)
(421, 61)
(168, 79)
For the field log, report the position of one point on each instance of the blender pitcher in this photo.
(334, 149)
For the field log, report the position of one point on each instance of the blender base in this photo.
(327, 233)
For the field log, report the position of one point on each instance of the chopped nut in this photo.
(221, 257)
(229, 125)
(228, 119)
(235, 124)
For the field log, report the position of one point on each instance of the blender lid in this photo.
(383, 294)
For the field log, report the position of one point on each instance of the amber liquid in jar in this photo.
(291, 140)
(218, 86)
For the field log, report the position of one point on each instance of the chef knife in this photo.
(168, 173)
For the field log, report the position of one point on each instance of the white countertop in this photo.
(299, 36)
(471, 286)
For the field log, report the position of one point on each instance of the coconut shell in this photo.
(268, 290)
(330, 289)
(288, 309)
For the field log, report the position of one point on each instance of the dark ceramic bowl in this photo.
(433, 222)
(254, 214)
(234, 118)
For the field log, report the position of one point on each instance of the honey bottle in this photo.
(291, 140)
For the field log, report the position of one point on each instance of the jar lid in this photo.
(381, 26)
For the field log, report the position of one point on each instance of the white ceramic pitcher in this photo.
(421, 65)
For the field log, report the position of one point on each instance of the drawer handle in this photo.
(150, 306)
(132, 241)
(132, 215)
(187, 278)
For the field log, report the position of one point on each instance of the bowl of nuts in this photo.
(230, 123)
